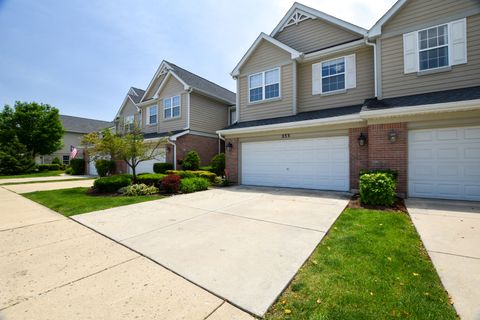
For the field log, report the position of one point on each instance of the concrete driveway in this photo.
(450, 231)
(242, 243)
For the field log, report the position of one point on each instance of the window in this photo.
(233, 116)
(264, 85)
(66, 160)
(128, 123)
(152, 115)
(433, 47)
(171, 107)
(333, 75)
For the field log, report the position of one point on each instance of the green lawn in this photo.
(34, 175)
(74, 201)
(371, 265)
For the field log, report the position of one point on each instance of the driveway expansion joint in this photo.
(455, 255)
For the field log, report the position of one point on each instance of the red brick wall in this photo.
(206, 147)
(231, 160)
(358, 155)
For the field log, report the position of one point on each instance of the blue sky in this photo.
(82, 56)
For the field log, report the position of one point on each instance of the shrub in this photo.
(56, 160)
(205, 168)
(218, 164)
(182, 174)
(377, 189)
(393, 173)
(15, 159)
(105, 167)
(162, 167)
(191, 161)
(49, 167)
(151, 179)
(69, 170)
(210, 176)
(78, 166)
(112, 183)
(190, 185)
(138, 190)
(171, 183)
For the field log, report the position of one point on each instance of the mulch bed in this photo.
(355, 203)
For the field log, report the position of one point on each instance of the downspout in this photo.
(174, 153)
(189, 91)
(375, 76)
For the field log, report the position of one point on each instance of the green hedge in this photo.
(151, 179)
(190, 185)
(112, 183)
(218, 164)
(393, 173)
(49, 167)
(78, 166)
(377, 189)
(191, 161)
(210, 176)
(162, 167)
(105, 167)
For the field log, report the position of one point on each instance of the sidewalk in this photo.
(31, 187)
(54, 268)
(40, 179)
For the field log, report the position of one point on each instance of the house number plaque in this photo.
(285, 135)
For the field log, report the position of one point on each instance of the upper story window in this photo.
(264, 85)
(152, 115)
(433, 47)
(128, 123)
(333, 75)
(232, 117)
(171, 107)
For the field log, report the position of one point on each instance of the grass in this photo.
(44, 181)
(34, 175)
(74, 201)
(371, 265)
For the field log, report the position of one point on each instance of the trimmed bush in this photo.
(162, 167)
(69, 170)
(78, 166)
(210, 176)
(205, 168)
(151, 179)
(218, 164)
(182, 174)
(112, 183)
(377, 189)
(190, 185)
(105, 167)
(393, 173)
(171, 183)
(136, 190)
(49, 167)
(191, 161)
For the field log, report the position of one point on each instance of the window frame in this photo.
(264, 99)
(148, 114)
(329, 76)
(67, 162)
(232, 110)
(172, 107)
(448, 45)
(126, 125)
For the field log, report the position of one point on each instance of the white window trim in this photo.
(172, 106)
(263, 86)
(230, 110)
(344, 75)
(449, 47)
(126, 123)
(148, 115)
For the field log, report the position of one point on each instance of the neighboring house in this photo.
(320, 99)
(75, 128)
(182, 107)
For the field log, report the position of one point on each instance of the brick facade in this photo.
(358, 155)
(206, 147)
(231, 160)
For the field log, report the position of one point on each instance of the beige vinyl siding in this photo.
(148, 128)
(268, 109)
(207, 115)
(423, 12)
(128, 109)
(314, 34)
(266, 56)
(173, 87)
(156, 84)
(364, 89)
(396, 83)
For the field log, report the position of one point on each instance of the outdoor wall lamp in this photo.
(229, 147)
(392, 136)
(362, 140)
(168, 148)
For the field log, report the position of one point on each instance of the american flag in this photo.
(73, 152)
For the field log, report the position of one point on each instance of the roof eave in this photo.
(376, 30)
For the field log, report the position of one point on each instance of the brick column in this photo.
(231, 160)
(358, 155)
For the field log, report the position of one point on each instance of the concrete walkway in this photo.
(450, 231)
(31, 187)
(53, 268)
(41, 179)
(244, 244)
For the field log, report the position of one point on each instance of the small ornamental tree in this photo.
(191, 161)
(218, 164)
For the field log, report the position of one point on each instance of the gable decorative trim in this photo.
(296, 17)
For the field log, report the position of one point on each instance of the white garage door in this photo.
(444, 163)
(147, 166)
(320, 163)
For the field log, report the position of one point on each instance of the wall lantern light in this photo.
(168, 149)
(392, 136)
(229, 147)
(362, 139)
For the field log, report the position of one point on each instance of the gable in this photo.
(170, 88)
(128, 108)
(421, 13)
(265, 55)
(314, 34)
(154, 87)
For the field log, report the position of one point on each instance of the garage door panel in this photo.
(448, 166)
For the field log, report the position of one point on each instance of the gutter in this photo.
(172, 140)
(336, 49)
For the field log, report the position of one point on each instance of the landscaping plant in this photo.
(191, 161)
(49, 167)
(78, 166)
(190, 185)
(15, 159)
(377, 189)
(210, 176)
(218, 164)
(112, 184)
(105, 167)
(151, 179)
(171, 183)
(162, 167)
(136, 190)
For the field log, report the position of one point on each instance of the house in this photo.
(75, 128)
(320, 99)
(182, 107)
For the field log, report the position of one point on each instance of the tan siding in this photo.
(173, 87)
(313, 34)
(265, 56)
(147, 128)
(423, 12)
(156, 84)
(207, 115)
(128, 109)
(396, 83)
(364, 89)
(271, 109)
